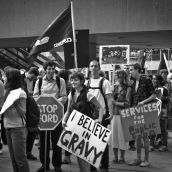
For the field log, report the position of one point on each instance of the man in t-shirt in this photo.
(94, 83)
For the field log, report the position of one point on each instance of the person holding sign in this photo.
(79, 99)
(122, 99)
(14, 109)
(142, 92)
(49, 87)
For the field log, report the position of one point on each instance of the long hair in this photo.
(13, 79)
(123, 77)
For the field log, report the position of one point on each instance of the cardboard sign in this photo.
(140, 120)
(84, 138)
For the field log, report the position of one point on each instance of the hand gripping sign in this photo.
(51, 112)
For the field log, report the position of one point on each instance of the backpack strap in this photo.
(58, 82)
(40, 84)
(103, 94)
(33, 86)
(101, 91)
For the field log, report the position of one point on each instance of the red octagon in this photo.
(51, 112)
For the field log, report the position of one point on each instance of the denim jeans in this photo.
(163, 126)
(30, 141)
(16, 139)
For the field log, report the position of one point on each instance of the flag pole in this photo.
(166, 62)
(74, 36)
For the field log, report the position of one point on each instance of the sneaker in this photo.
(135, 162)
(66, 160)
(151, 148)
(57, 169)
(31, 156)
(121, 161)
(163, 149)
(132, 148)
(42, 169)
(145, 164)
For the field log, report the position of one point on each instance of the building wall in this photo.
(25, 18)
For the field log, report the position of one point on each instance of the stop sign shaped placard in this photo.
(51, 112)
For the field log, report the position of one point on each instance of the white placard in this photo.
(84, 138)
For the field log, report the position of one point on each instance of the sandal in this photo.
(135, 162)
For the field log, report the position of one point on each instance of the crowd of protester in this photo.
(131, 88)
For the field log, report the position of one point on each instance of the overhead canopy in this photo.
(144, 39)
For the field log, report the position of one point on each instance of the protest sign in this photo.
(84, 138)
(51, 112)
(140, 120)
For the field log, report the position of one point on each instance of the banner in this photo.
(59, 32)
(84, 138)
(140, 120)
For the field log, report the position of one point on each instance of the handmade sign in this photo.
(84, 138)
(140, 120)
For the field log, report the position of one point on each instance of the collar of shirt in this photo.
(53, 79)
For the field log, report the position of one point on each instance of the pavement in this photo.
(160, 162)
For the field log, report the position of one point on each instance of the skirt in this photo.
(117, 136)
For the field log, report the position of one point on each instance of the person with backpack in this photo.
(101, 89)
(80, 99)
(14, 120)
(55, 86)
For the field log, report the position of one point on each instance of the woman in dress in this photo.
(122, 99)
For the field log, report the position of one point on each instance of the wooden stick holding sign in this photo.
(51, 113)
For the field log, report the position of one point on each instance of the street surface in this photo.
(160, 162)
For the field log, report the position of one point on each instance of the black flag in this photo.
(82, 46)
(58, 33)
